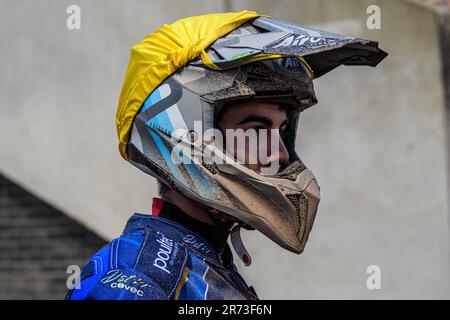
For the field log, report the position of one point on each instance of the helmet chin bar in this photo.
(283, 206)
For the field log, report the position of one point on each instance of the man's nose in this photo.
(283, 154)
(278, 155)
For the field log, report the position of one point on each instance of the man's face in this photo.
(267, 122)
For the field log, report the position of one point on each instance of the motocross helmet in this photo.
(253, 57)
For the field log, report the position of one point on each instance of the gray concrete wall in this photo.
(376, 141)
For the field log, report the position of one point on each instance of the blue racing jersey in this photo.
(156, 258)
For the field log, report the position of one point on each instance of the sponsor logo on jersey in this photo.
(164, 252)
(191, 239)
(116, 279)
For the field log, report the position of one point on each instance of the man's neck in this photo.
(193, 209)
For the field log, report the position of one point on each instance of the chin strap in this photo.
(235, 235)
(238, 246)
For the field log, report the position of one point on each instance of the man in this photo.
(210, 107)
